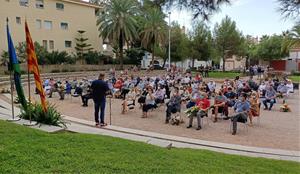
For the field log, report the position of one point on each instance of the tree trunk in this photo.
(193, 62)
(153, 45)
(223, 63)
(247, 63)
(121, 49)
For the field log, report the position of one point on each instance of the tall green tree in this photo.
(82, 47)
(248, 49)
(270, 48)
(118, 23)
(154, 30)
(176, 39)
(227, 39)
(201, 43)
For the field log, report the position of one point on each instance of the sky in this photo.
(253, 17)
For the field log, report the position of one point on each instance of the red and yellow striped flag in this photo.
(34, 67)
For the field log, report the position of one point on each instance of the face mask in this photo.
(201, 97)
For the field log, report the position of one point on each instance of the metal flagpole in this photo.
(11, 90)
(12, 97)
(29, 101)
(109, 110)
(169, 53)
(29, 89)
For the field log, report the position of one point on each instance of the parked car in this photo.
(155, 67)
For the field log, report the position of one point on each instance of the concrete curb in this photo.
(182, 142)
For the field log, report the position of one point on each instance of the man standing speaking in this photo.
(99, 88)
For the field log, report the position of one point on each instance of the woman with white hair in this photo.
(290, 87)
(254, 106)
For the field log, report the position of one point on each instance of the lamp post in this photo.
(169, 55)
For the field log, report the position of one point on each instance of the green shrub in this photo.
(57, 57)
(96, 58)
(134, 56)
(51, 117)
(296, 73)
(55, 71)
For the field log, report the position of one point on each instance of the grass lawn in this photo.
(295, 79)
(222, 75)
(25, 150)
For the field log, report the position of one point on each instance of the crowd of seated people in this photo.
(236, 100)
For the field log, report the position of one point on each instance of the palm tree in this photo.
(154, 30)
(118, 24)
(292, 38)
(295, 35)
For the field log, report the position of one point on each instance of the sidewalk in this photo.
(162, 140)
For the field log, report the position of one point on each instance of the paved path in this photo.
(167, 141)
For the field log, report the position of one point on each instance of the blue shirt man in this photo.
(99, 88)
(270, 97)
(241, 108)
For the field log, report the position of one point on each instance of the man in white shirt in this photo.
(212, 86)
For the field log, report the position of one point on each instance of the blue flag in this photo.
(15, 68)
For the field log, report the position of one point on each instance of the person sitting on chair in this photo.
(282, 90)
(241, 109)
(203, 104)
(68, 88)
(149, 102)
(86, 95)
(254, 106)
(194, 96)
(173, 105)
(78, 90)
(290, 87)
(270, 97)
(231, 96)
(212, 87)
(59, 88)
(220, 106)
(159, 95)
(129, 101)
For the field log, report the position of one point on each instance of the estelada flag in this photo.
(34, 67)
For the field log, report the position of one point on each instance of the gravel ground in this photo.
(276, 129)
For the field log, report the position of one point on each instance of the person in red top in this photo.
(118, 84)
(198, 78)
(203, 104)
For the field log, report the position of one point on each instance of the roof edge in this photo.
(80, 2)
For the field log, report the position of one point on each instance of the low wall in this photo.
(68, 68)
